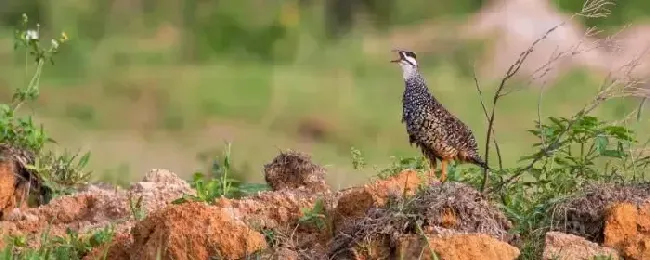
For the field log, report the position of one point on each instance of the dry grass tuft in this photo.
(584, 213)
(429, 210)
(292, 170)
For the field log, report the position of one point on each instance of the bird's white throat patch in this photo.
(408, 70)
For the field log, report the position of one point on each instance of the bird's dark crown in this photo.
(408, 54)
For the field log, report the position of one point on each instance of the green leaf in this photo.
(601, 144)
(612, 153)
(83, 161)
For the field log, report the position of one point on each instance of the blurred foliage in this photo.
(262, 69)
(254, 28)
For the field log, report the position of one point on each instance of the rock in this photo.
(620, 223)
(355, 201)
(560, 246)
(456, 247)
(292, 170)
(163, 176)
(100, 188)
(270, 209)
(194, 231)
(626, 229)
(158, 188)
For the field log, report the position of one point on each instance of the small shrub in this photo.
(59, 173)
(221, 185)
(314, 216)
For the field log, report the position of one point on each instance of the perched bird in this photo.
(439, 134)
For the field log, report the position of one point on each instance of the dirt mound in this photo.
(457, 247)
(292, 170)
(584, 214)
(299, 219)
(95, 207)
(194, 231)
(270, 209)
(446, 209)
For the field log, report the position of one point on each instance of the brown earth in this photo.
(626, 230)
(7, 181)
(392, 218)
(94, 207)
(584, 214)
(561, 246)
(355, 201)
(457, 247)
(194, 230)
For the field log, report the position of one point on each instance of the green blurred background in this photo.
(157, 84)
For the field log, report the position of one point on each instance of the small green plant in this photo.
(58, 172)
(572, 153)
(314, 216)
(70, 246)
(136, 207)
(270, 237)
(221, 185)
(399, 164)
(433, 255)
(358, 161)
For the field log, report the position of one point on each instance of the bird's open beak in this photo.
(398, 59)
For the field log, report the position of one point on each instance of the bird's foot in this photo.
(431, 177)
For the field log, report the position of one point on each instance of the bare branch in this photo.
(485, 112)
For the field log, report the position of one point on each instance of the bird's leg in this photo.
(443, 175)
(432, 170)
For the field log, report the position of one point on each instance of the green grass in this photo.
(261, 107)
(131, 98)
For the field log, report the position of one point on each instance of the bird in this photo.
(438, 133)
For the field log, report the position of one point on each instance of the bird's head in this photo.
(406, 60)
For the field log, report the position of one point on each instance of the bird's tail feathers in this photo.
(476, 159)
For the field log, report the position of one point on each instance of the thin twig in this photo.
(511, 72)
(485, 112)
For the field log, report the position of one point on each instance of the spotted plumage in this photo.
(430, 126)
